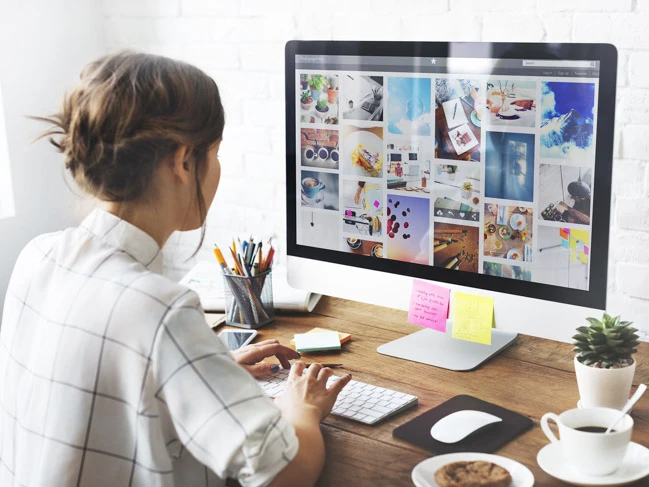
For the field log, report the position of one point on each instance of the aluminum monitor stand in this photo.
(441, 350)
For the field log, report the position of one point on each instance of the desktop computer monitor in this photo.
(483, 167)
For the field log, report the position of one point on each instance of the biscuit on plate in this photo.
(473, 474)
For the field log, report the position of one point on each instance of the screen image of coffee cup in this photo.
(308, 154)
(583, 441)
(311, 187)
(323, 153)
(335, 157)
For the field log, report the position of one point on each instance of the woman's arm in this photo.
(305, 468)
(304, 403)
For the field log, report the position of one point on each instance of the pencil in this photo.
(221, 260)
(269, 259)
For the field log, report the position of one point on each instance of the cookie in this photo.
(473, 474)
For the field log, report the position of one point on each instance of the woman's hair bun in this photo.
(129, 112)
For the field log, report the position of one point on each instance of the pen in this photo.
(454, 110)
(331, 366)
(255, 251)
(251, 250)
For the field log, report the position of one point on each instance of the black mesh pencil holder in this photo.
(249, 300)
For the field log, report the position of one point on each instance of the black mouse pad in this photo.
(417, 431)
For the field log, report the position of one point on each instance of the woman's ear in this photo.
(179, 164)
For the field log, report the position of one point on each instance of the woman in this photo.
(109, 374)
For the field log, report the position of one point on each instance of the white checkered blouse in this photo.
(109, 375)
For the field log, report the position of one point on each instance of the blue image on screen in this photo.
(567, 120)
(409, 110)
(509, 171)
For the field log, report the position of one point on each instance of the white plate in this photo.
(517, 222)
(512, 252)
(370, 141)
(423, 475)
(635, 465)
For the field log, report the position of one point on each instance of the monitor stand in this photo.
(441, 350)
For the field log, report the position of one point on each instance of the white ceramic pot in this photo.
(608, 388)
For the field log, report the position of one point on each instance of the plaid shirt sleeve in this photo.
(219, 412)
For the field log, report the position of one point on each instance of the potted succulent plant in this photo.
(332, 89)
(604, 363)
(304, 81)
(316, 83)
(467, 189)
(321, 108)
(306, 100)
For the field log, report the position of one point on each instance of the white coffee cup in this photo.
(589, 452)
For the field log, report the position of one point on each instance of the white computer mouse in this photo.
(460, 424)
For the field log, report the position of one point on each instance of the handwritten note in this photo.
(472, 318)
(429, 305)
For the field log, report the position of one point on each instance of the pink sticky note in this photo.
(429, 305)
(376, 203)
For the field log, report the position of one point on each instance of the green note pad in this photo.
(317, 342)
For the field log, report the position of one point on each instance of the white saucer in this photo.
(635, 466)
(423, 475)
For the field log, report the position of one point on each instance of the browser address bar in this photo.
(558, 63)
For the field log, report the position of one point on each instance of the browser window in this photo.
(476, 165)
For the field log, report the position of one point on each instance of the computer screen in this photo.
(485, 165)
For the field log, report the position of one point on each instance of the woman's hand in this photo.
(250, 357)
(308, 393)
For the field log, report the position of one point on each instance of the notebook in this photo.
(454, 113)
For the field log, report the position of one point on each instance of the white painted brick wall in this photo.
(492, 6)
(626, 31)
(507, 26)
(635, 142)
(585, 5)
(448, 26)
(241, 44)
(633, 279)
(639, 69)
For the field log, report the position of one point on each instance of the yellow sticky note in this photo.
(472, 318)
(584, 258)
(581, 235)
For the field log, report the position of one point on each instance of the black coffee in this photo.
(593, 429)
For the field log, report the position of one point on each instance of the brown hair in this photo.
(129, 113)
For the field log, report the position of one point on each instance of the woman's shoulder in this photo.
(36, 250)
(77, 252)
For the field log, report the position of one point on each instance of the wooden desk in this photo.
(532, 377)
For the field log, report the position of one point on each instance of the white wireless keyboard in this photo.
(358, 401)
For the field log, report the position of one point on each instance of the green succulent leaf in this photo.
(606, 341)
